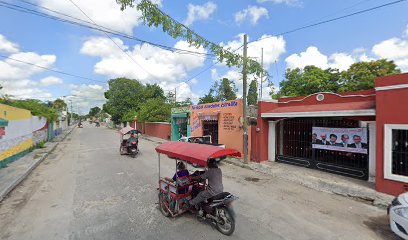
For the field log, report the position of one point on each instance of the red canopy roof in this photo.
(194, 152)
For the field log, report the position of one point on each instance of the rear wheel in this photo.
(226, 223)
(162, 205)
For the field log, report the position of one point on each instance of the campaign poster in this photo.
(340, 139)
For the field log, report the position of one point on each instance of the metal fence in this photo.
(295, 147)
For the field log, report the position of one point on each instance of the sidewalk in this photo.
(314, 179)
(18, 170)
(321, 181)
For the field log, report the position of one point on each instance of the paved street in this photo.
(86, 190)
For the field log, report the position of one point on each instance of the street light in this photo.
(71, 114)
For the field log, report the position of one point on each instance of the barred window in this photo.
(399, 145)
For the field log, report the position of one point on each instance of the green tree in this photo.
(123, 95)
(93, 112)
(225, 90)
(152, 16)
(311, 79)
(208, 98)
(186, 102)
(361, 75)
(130, 116)
(154, 110)
(59, 105)
(253, 93)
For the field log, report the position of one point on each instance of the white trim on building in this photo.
(364, 112)
(392, 87)
(388, 152)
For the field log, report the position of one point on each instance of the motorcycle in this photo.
(133, 149)
(219, 211)
(79, 125)
(175, 195)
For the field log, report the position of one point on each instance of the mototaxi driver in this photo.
(131, 139)
(215, 186)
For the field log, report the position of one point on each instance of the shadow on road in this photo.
(381, 226)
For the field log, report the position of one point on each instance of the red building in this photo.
(361, 134)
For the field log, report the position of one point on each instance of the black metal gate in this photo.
(295, 147)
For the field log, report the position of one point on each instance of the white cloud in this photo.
(287, 2)
(194, 81)
(341, 61)
(86, 96)
(273, 48)
(395, 49)
(312, 56)
(7, 46)
(24, 88)
(153, 64)
(199, 12)
(254, 13)
(15, 77)
(48, 81)
(13, 70)
(183, 91)
(106, 13)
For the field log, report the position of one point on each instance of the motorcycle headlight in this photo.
(402, 212)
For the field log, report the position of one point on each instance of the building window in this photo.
(396, 152)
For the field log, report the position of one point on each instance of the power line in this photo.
(309, 26)
(93, 26)
(50, 69)
(124, 51)
(331, 20)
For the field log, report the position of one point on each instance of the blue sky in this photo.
(381, 33)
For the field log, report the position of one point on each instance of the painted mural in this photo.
(21, 132)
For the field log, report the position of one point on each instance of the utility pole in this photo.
(72, 119)
(260, 90)
(175, 95)
(244, 99)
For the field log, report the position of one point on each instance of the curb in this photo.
(151, 140)
(375, 199)
(18, 180)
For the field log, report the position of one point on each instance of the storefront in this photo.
(180, 123)
(220, 120)
(360, 134)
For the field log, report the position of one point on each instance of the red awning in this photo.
(194, 152)
(363, 108)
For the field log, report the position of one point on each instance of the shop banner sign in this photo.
(340, 139)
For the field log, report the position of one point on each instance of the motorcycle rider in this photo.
(131, 139)
(215, 186)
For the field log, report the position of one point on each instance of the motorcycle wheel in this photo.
(162, 202)
(226, 225)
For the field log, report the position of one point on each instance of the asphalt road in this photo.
(86, 190)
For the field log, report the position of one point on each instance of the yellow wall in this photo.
(12, 113)
(16, 149)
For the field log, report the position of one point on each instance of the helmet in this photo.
(212, 163)
(181, 166)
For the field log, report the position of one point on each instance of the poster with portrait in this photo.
(340, 139)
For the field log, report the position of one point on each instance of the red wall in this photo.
(160, 130)
(261, 141)
(391, 108)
